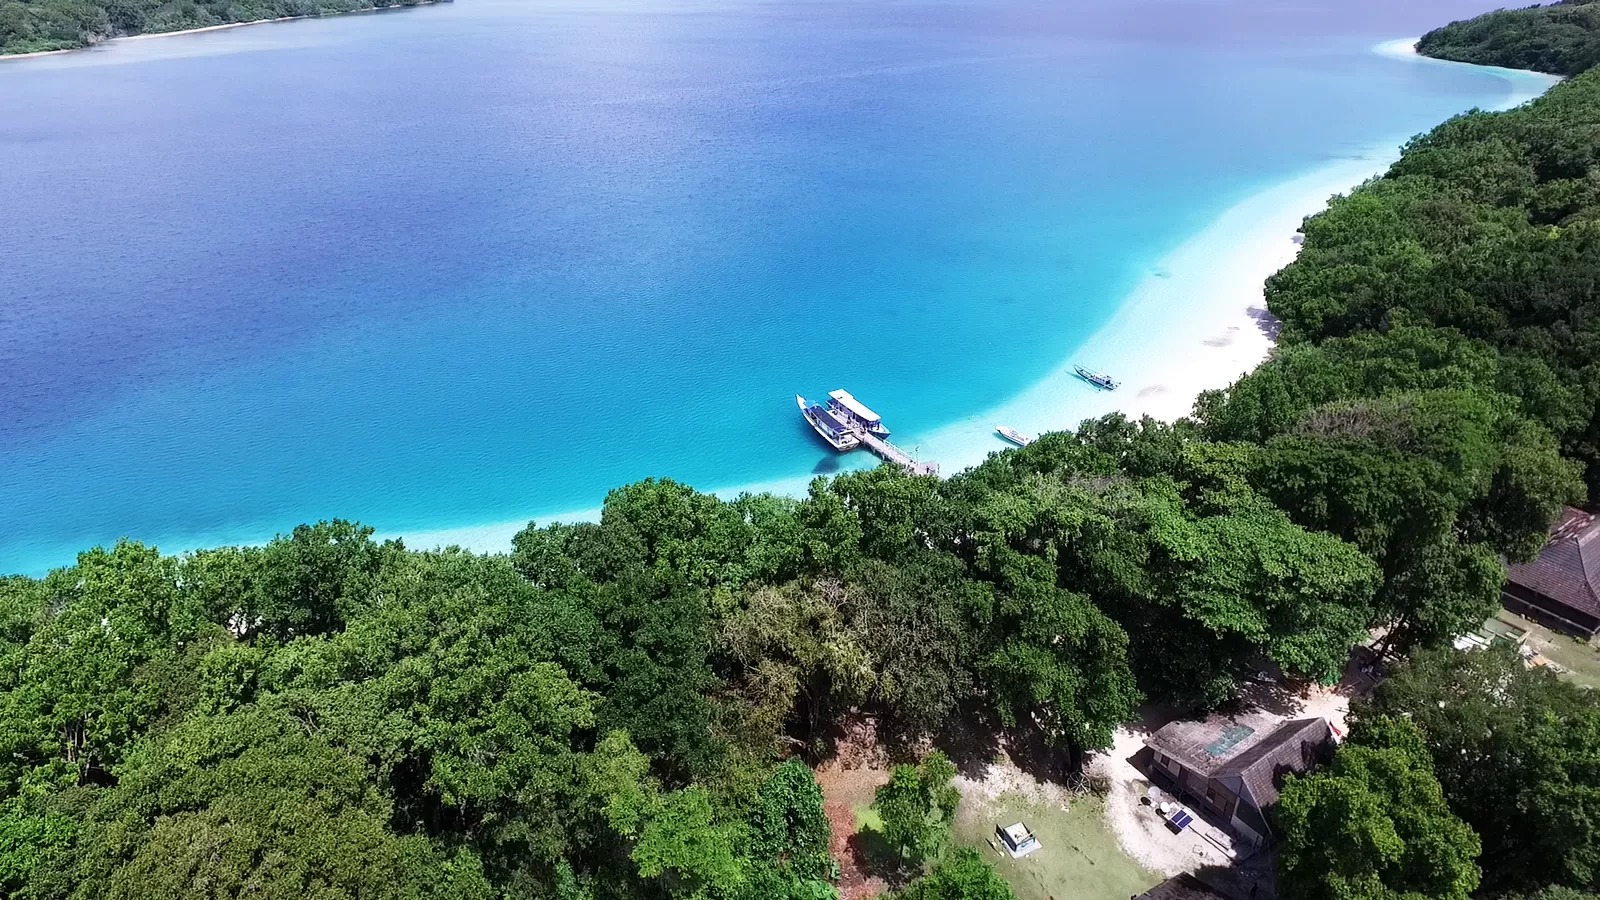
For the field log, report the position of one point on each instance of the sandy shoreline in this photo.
(1196, 322)
(202, 30)
(1193, 323)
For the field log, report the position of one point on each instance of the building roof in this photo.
(1205, 745)
(1568, 569)
(1296, 746)
(1254, 748)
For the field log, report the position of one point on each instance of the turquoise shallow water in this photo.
(483, 261)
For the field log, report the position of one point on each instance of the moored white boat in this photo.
(847, 407)
(1013, 435)
(1098, 379)
(827, 424)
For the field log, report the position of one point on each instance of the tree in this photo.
(1553, 892)
(1203, 596)
(30, 841)
(1517, 752)
(1374, 825)
(99, 669)
(27, 26)
(1562, 38)
(313, 581)
(794, 651)
(789, 834)
(915, 621)
(961, 875)
(653, 647)
(916, 807)
(684, 846)
(1061, 666)
(253, 803)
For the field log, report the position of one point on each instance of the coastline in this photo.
(1197, 321)
(1193, 322)
(5, 57)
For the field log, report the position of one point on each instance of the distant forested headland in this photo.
(1561, 38)
(31, 26)
(623, 710)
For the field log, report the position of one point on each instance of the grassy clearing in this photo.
(867, 818)
(1581, 661)
(1080, 858)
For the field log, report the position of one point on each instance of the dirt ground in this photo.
(1140, 829)
(1081, 856)
(844, 793)
(848, 782)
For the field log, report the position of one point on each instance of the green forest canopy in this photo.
(31, 26)
(614, 710)
(1562, 38)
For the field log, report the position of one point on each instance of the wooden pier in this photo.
(846, 425)
(891, 453)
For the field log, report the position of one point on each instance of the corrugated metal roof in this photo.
(856, 406)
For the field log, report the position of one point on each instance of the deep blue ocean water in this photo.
(483, 261)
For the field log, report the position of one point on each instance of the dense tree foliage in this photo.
(621, 710)
(31, 26)
(1562, 38)
(1436, 395)
(1374, 825)
(606, 712)
(1518, 753)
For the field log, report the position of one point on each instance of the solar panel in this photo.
(1230, 738)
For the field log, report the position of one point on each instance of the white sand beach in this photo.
(1196, 322)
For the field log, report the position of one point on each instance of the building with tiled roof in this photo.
(1562, 587)
(1234, 766)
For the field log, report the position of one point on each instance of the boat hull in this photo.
(1014, 436)
(840, 441)
(1103, 382)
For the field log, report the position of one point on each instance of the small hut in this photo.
(1018, 840)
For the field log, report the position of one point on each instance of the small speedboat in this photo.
(1098, 379)
(1013, 435)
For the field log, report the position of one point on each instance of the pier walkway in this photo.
(895, 455)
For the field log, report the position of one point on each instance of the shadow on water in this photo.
(826, 466)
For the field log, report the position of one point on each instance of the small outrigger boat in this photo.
(827, 423)
(1013, 435)
(1097, 379)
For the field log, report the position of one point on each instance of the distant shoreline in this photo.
(4, 57)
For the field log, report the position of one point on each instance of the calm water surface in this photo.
(481, 261)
